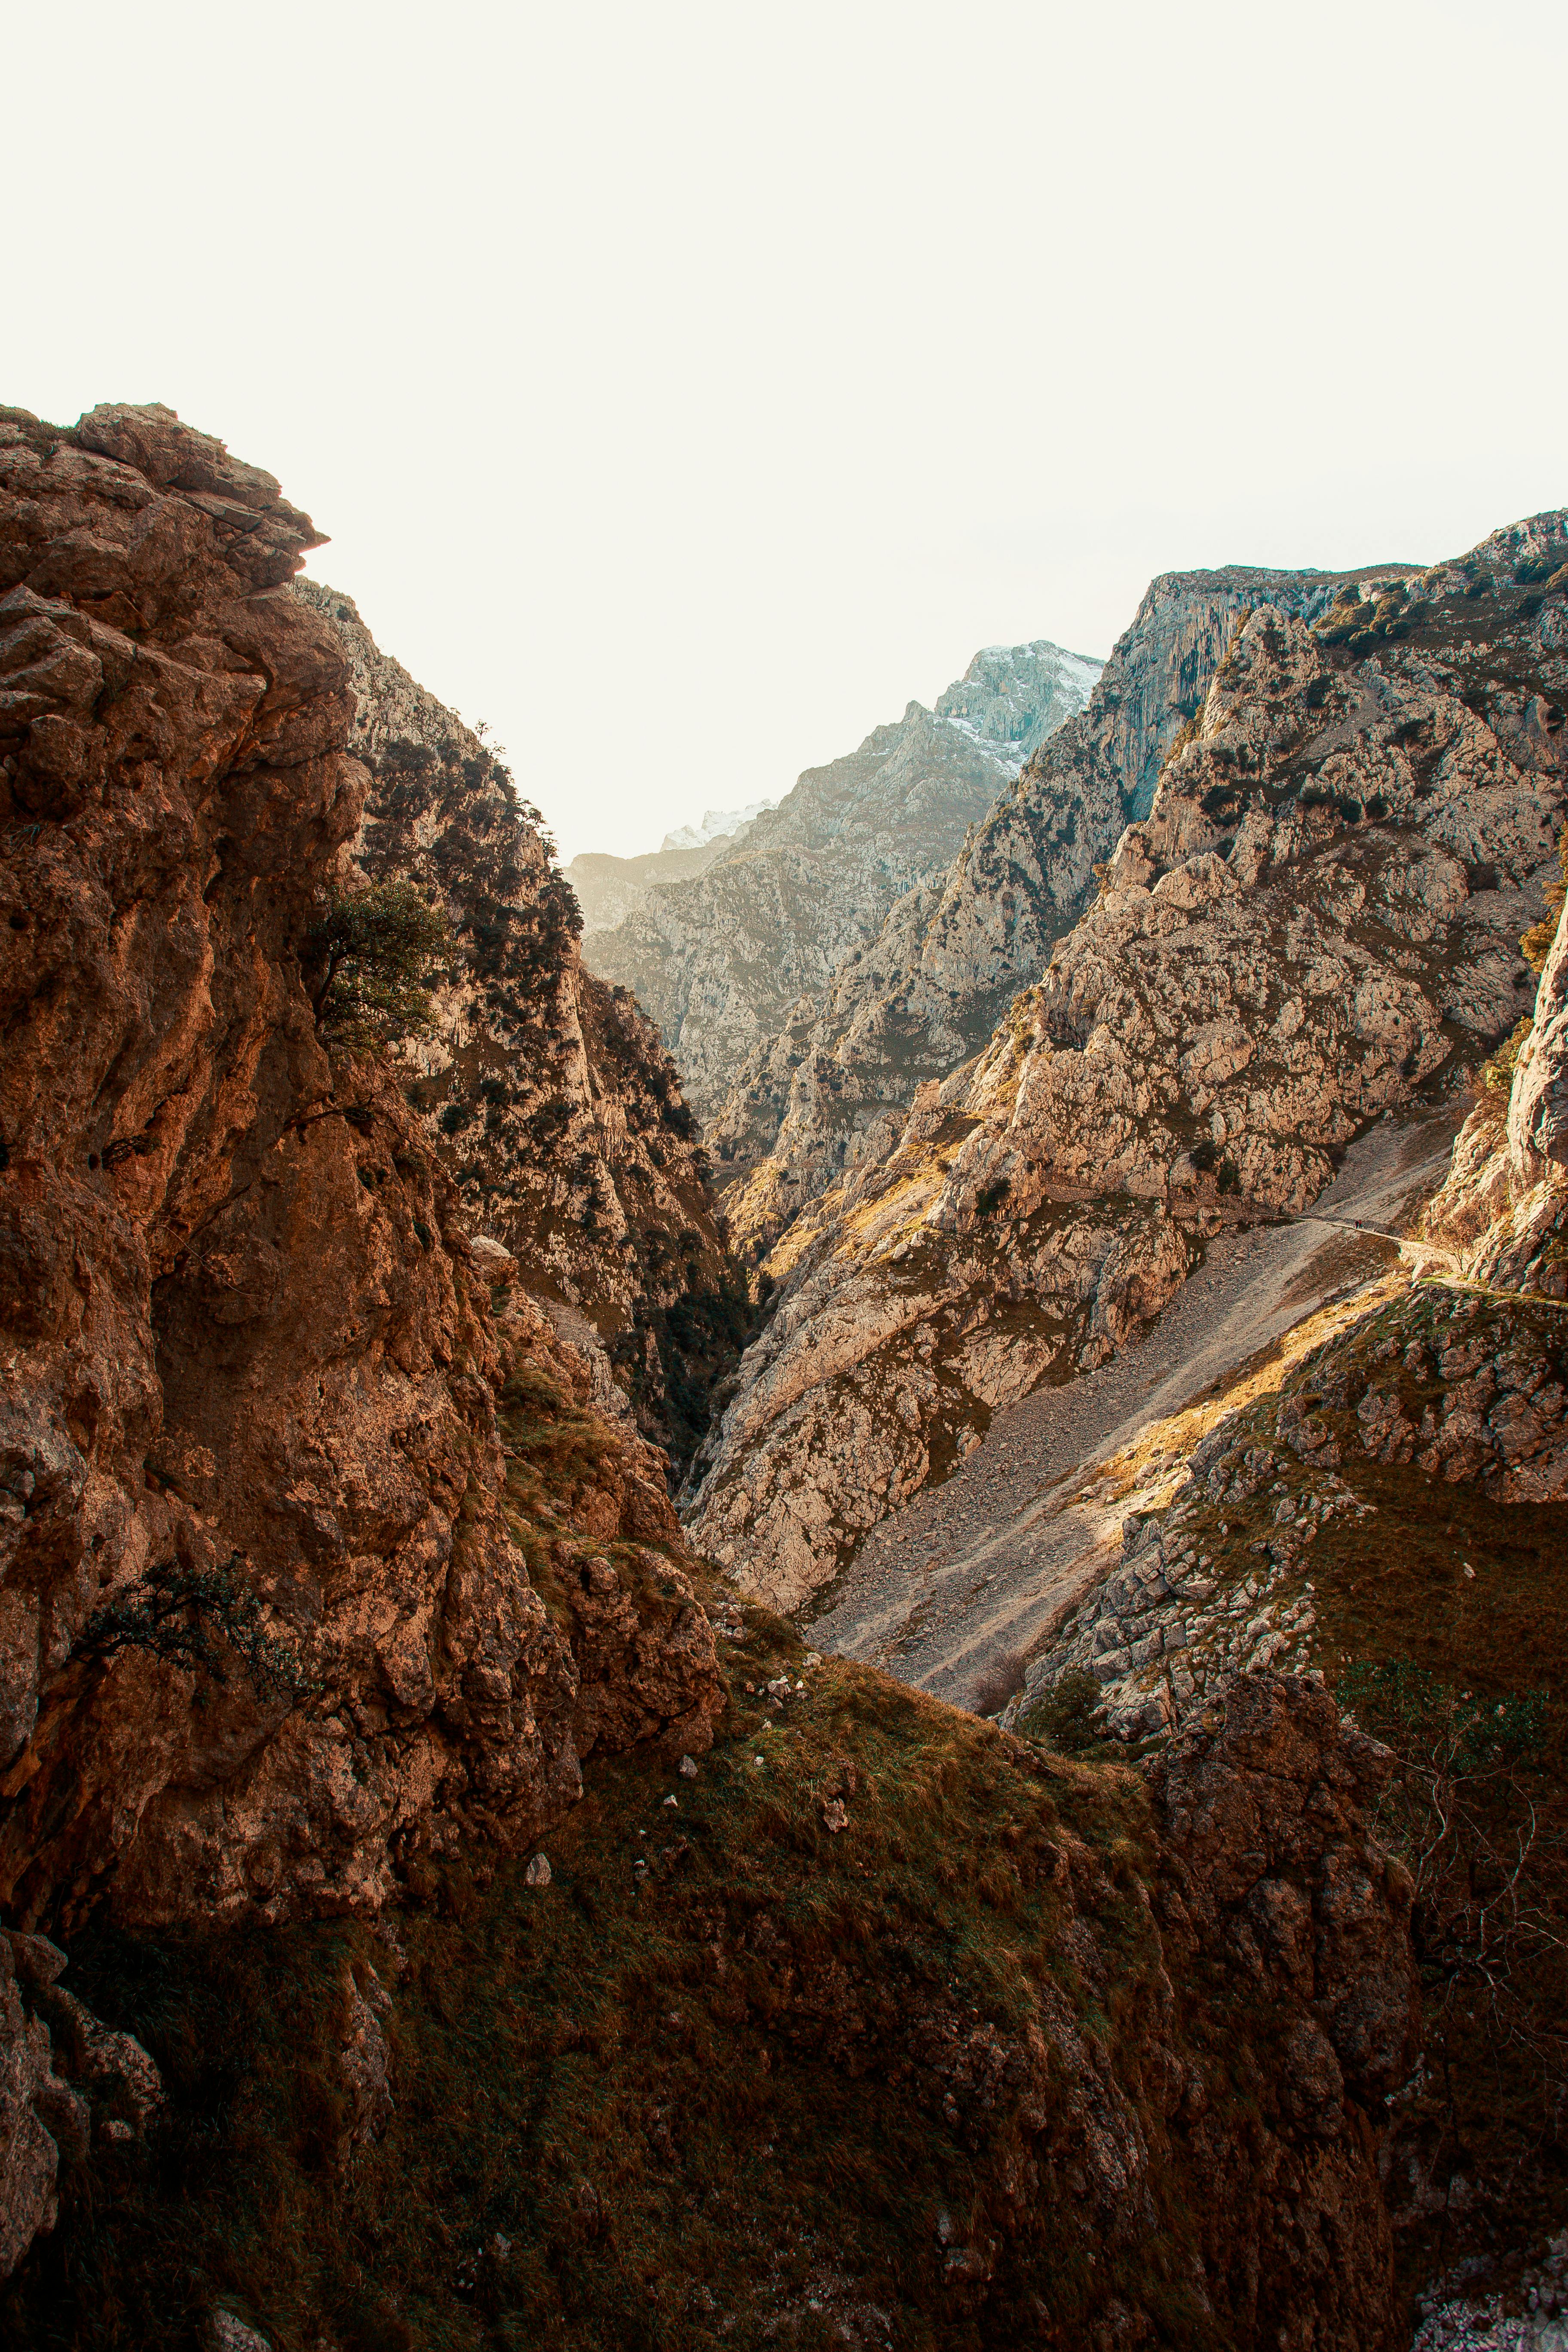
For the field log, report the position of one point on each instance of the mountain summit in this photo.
(718, 824)
(725, 957)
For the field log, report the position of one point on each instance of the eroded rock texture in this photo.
(42, 2119)
(1198, 2163)
(1204, 2168)
(1268, 1872)
(1470, 1388)
(250, 1384)
(1465, 1377)
(545, 1089)
(1118, 2051)
(1320, 911)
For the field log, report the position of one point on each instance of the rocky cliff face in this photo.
(1468, 1388)
(929, 989)
(1393, 1516)
(325, 1559)
(545, 1090)
(268, 1629)
(741, 952)
(1501, 1219)
(1320, 913)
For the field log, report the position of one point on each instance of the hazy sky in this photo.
(686, 387)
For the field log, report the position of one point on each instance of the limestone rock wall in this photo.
(267, 1628)
(1318, 916)
(1479, 1398)
(1502, 1216)
(1467, 1378)
(1538, 1102)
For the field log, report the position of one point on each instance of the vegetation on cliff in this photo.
(371, 956)
(544, 1090)
(1439, 1613)
(889, 2030)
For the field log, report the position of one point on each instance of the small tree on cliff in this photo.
(191, 1617)
(371, 955)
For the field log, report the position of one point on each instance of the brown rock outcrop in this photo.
(1269, 2009)
(1105, 2062)
(266, 1624)
(1267, 2006)
(40, 2119)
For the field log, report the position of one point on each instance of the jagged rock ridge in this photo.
(743, 949)
(928, 991)
(1319, 915)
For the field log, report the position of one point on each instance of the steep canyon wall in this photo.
(267, 1623)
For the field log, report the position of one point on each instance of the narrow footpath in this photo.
(952, 1593)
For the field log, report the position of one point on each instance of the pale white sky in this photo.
(685, 387)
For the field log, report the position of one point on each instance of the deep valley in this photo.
(817, 1596)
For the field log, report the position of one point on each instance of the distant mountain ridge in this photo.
(609, 888)
(910, 1003)
(725, 956)
(718, 824)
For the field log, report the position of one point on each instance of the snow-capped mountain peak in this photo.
(716, 822)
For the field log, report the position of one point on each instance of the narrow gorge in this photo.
(827, 1613)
